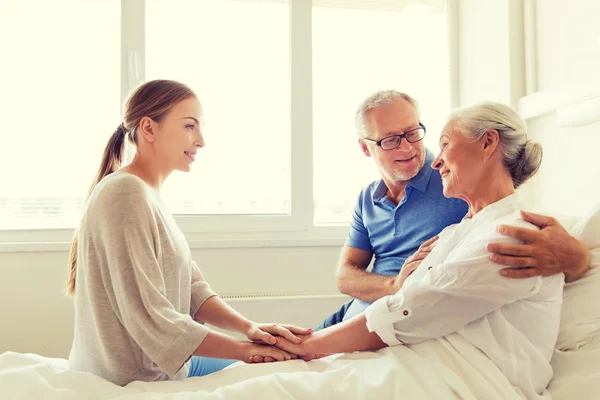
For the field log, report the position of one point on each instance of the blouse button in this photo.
(429, 268)
(405, 312)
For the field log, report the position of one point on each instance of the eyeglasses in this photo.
(391, 142)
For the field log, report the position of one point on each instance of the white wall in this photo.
(568, 41)
(491, 51)
(569, 179)
(566, 50)
(483, 51)
(36, 317)
(568, 53)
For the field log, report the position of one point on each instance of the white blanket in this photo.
(577, 373)
(447, 368)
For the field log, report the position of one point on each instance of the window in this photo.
(279, 80)
(235, 55)
(358, 50)
(60, 79)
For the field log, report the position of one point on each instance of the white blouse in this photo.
(457, 288)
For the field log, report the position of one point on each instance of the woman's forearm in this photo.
(346, 337)
(220, 314)
(218, 345)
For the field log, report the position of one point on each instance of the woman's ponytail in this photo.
(152, 99)
(111, 161)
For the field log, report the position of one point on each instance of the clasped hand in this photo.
(276, 342)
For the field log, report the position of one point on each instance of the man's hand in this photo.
(548, 251)
(412, 263)
(264, 332)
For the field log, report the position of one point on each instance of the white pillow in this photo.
(567, 221)
(580, 318)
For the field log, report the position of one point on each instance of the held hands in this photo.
(412, 263)
(548, 251)
(264, 332)
(298, 350)
(273, 335)
(258, 353)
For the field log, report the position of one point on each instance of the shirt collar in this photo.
(380, 191)
(492, 209)
(419, 182)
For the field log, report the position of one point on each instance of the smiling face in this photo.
(178, 135)
(404, 162)
(460, 162)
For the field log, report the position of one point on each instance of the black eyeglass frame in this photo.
(403, 136)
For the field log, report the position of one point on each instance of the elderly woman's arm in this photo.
(346, 337)
(549, 251)
(446, 299)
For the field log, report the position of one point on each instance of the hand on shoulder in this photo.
(548, 251)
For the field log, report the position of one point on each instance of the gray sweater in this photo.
(137, 287)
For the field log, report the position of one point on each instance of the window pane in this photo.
(357, 51)
(235, 55)
(60, 80)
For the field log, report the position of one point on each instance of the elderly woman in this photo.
(485, 155)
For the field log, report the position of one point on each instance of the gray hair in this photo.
(378, 99)
(521, 156)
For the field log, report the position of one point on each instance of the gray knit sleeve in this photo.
(201, 290)
(130, 236)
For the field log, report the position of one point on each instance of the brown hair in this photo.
(152, 99)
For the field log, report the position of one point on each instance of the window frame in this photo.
(217, 231)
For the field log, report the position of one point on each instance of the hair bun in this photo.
(528, 162)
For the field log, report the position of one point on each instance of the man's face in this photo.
(405, 161)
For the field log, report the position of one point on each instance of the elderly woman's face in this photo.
(459, 163)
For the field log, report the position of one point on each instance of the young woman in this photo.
(140, 299)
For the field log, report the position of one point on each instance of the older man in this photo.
(395, 215)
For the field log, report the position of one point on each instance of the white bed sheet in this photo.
(577, 373)
(447, 368)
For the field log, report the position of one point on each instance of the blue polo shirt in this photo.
(394, 232)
